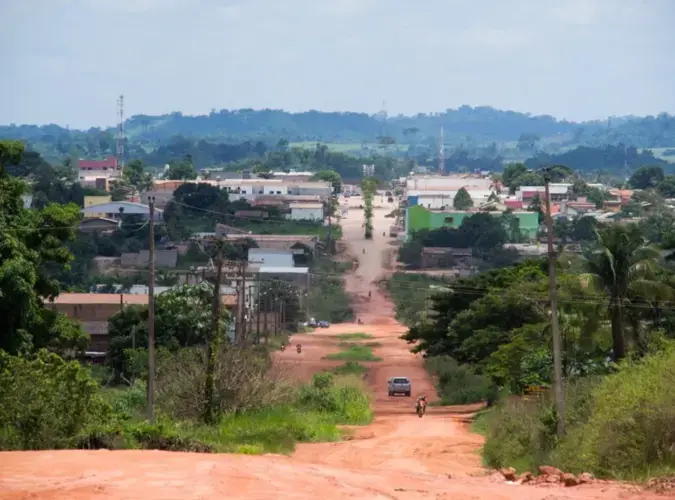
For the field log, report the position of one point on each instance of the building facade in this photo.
(418, 217)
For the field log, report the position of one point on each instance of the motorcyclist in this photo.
(421, 401)
(364, 251)
(370, 293)
(299, 348)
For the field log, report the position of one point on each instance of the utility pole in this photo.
(214, 343)
(555, 330)
(151, 312)
(257, 311)
(330, 235)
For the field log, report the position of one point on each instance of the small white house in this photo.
(306, 211)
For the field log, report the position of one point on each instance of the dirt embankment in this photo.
(398, 456)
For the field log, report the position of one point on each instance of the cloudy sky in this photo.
(66, 61)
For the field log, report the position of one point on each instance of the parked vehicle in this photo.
(323, 324)
(399, 385)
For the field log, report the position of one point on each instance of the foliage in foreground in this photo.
(618, 426)
(48, 403)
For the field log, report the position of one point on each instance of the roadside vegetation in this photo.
(49, 403)
(488, 338)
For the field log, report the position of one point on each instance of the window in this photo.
(400, 380)
(448, 220)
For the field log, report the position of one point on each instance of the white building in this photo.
(439, 199)
(306, 211)
(270, 257)
(447, 183)
(113, 210)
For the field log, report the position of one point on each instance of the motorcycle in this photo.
(421, 409)
(299, 348)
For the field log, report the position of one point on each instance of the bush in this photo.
(522, 434)
(629, 429)
(345, 398)
(350, 368)
(46, 402)
(458, 384)
(245, 381)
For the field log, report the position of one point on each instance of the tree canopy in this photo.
(32, 250)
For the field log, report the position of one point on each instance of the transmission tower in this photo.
(441, 151)
(120, 131)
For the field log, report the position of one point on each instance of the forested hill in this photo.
(481, 124)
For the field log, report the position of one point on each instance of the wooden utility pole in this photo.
(214, 344)
(151, 312)
(555, 330)
(330, 235)
(257, 310)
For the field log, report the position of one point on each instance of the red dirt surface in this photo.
(398, 456)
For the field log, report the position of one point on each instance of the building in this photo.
(271, 257)
(440, 199)
(558, 192)
(94, 310)
(446, 257)
(167, 259)
(306, 211)
(113, 210)
(418, 217)
(108, 168)
(579, 207)
(447, 182)
(98, 225)
(90, 201)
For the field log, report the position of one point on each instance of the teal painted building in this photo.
(418, 217)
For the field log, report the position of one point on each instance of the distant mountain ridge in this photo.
(482, 124)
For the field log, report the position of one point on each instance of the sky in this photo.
(66, 61)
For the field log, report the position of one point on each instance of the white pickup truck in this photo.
(399, 385)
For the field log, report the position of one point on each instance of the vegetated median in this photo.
(353, 352)
(258, 410)
(354, 336)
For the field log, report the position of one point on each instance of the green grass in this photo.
(312, 414)
(481, 421)
(354, 336)
(274, 430)
(354, 352)
(350, 368)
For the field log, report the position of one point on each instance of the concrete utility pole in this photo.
(555, 330)
(151, 312)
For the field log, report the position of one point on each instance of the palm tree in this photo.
(623, 265)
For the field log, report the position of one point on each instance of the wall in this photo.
(271, 257)
(306, 214)
(95, 200)
(418, 217)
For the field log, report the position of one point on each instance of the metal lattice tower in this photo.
(441, 151)
(120, 130)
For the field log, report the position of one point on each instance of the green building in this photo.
(417, 217)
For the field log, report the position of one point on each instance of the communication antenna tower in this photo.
(441, 150)
(120, 130)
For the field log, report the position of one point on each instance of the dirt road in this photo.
(398, 456)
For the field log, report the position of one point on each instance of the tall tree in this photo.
(462, 200)
(32, 251)
(623, 266)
